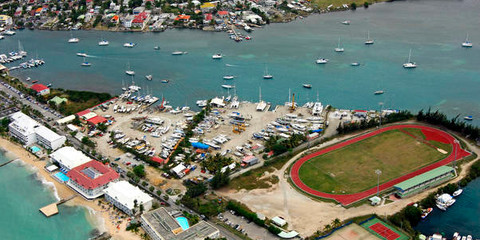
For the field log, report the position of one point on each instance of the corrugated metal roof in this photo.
(423, 177)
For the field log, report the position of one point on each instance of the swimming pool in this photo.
(35, 149)
(62, 177)
(183, 222)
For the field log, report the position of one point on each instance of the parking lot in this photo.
(246, 227)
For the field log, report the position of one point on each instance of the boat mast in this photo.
(409, 55)
(260, 94)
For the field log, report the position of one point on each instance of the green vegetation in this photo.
(215, 163)
(243, 210)
(323, 4)
(4, 125)
(455, 124)
(77, 100)
(139, 171)
(195, 190)
(393, 117)
(393, 152)
(192, 219)
(88, 142)
(280, 145)
(220, 179)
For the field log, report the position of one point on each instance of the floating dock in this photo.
(52, 209)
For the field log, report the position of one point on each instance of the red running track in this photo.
(347, 199)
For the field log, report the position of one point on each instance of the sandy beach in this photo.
(101, 215)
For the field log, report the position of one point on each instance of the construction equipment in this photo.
(238, 127)
(292, 108)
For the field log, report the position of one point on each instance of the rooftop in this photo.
(23, 123)
(47, 134)
(126, 193)
(38, 87)
(96, 120)
(102, 174)
(165, 226)
(424, 177)
(70, 157)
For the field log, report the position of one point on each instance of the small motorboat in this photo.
(346, 22)
(322, 61)
(217, 56)
(426, 212)
(355, 64)
(468, 118)
(306, 85)
(86, 64)
(130, 72)
(81, 54)
(28, 78)
(156, 48)
(149, 77)
(379, 92)
(103, 43)
(73, 40)
(228, 77)
(178, 53)
(457, 193)
(227, 86)
(248, 38)
(441, 207)
(165, 80)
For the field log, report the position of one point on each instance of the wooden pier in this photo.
(5, 163)
(52, 209)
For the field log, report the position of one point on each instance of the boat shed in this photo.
(66, 119)
(424, 181)
(249, 160)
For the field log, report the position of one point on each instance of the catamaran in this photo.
(338, 48)
(409, 63)
(266, 75)
(369, 41)
(467, 43)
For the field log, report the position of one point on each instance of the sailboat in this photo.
(129, 71)
(85, 63)
(369, 41)
(228, 76)
(409, 63)
(261, 104)
(266, 75)
(338, 48)
(467, 44)
(103, 43)
(73, 39)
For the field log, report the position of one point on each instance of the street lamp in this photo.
(378, 172)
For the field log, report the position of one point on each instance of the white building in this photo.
(29, 131)
(48, 138)
(69, 158)
(123, 195)
(22, 128)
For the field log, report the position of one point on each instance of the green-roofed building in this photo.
(58, 100)
(424, 181)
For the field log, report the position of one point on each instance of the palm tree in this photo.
(327, 228)
(336, 223)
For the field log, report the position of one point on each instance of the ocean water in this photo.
(447, 76)
(22, 194)
(462, 217)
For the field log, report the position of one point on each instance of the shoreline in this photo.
(98, 218)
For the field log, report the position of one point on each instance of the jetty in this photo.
(52, 209)
(5, 163)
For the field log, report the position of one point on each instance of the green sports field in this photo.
(351, 169)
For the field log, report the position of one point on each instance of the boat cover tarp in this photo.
(199, 145)
(318, 130)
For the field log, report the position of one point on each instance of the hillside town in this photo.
(150, 15)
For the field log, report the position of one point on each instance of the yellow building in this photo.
(6, 20)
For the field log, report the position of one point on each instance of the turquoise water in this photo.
(447, 76)
(462, 217)
(183, 222)
(22, 194)
(61, 176)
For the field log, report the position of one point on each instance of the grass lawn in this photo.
(351, 169)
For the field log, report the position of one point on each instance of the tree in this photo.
(102, 127)
(195, 190)
(353, 6)
(365, 4)
(139, 171)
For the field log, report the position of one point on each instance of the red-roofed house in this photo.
(222, 13)
(40, 89)
(139, 20)
(182, 17)
(82, 113)
(157, 159)
(96, 120)
(91, 178)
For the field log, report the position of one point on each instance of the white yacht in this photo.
(321, 61)
(409, 63)
(149, 77)
(82, 54)
(338, 48)
(129, 45)
(85, 63)
(307, 85)
(369, 41)
(379, 92)
(9, 33)
(129, 71)
(103, 43)
(355, 64)
(467, 43)
(346, 22)
(228, 77)
(457, 193)
(178, 53)
(217, 56)
(444, 201)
